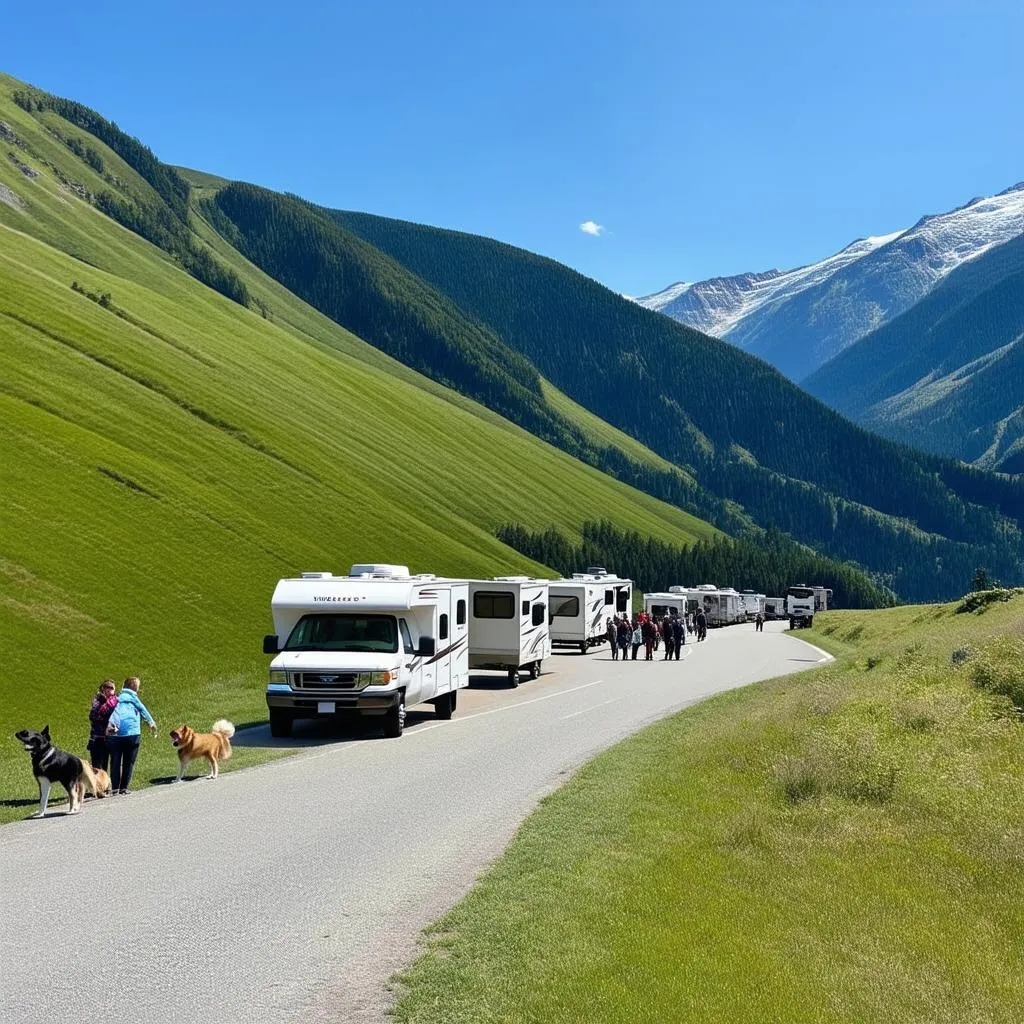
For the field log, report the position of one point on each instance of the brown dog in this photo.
(214, 745)
(97, 779)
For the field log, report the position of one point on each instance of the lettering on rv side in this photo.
(337, 599)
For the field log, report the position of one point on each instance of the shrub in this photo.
(999, 669)
(800, 779)
(979, 600)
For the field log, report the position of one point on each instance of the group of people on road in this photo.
(115, 730)
(650, 632)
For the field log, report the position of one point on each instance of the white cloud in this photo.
(591, 227)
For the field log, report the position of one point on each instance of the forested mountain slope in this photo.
(744, 432)
(947, 375)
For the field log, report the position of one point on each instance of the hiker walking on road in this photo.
(759, 623)
(613, 638)
(678, 635)
(666, 637)
(649, 631)
(624, 635)
(637, 637)
(702, 625)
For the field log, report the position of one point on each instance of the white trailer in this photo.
(374, 642)
(579, 607)
(722, 607)
(822, 598)
(774, 607)
(752, 604)
(508, 625)
(667, 602)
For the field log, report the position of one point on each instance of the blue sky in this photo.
(704, 139)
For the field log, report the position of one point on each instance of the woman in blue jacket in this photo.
(124, 734)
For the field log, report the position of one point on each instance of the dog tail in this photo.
(223, 729)
(88, 778)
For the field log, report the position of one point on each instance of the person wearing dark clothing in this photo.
(759, 623)
(678, 636)
(613, 638)
(103, 705)
(625, 636)
(649, 632)
(666, 637)
(702, 624)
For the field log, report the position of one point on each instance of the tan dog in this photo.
(214, 745)
(97, 779)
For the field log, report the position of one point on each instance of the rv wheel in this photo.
(394, 721)
(583, 648)
(535, 670)
(444, 706)
(513, 678)
(280, 725)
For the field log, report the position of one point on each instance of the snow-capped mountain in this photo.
(799, 319)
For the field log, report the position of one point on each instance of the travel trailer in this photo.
(752, 604)
(374, 642)
(822, 598)
(722, 607)
(508, 625)
(668, 602)
(580, 606)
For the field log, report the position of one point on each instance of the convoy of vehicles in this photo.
(381, 640)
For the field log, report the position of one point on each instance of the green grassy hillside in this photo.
(166, 454)
(841, 846)
(744, 432)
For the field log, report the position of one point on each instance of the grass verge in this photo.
(844, 845)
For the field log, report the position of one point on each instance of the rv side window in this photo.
(538, 613)
(442, 629)
(526, 608)
(609, 597)
(565, 607)
(460, 613)
(621, 603)
(494, 604)
(406, 638)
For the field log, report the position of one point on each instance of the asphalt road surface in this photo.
(293, 891)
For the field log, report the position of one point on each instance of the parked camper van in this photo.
(822, 598)
(774, 607)
(374, 642)
(580, 606)
(800, 606)
(508, 625)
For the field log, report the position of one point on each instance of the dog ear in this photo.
(45, 731)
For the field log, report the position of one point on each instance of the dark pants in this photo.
(615, 651)
(99, 754)
(123, 752)
(678, 646)
(636, 647)
(648, 650)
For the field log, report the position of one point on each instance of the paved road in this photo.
(293, 891)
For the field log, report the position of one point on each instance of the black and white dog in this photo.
(50, 764)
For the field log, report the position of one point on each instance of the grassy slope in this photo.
(674, 878)
(159, 478)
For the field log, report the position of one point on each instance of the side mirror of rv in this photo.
(427, 647)
(270, 644)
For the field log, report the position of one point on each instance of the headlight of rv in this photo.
(278, 677)
(374, 679)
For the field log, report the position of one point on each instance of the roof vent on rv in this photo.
(597, 570)
(677, 590)
(317, 575)
(378, 570)
(511, 579)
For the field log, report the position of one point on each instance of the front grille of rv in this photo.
(325, 680)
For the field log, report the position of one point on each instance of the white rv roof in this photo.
(587, 577)
(365, 593)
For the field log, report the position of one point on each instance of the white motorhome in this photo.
(752, 604)
(822, 598)
(508, 625)
(374, 642)
(800, 606)
(580, 606)
(774, 607)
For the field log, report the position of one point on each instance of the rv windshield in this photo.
(368, 633)
(803, 592)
